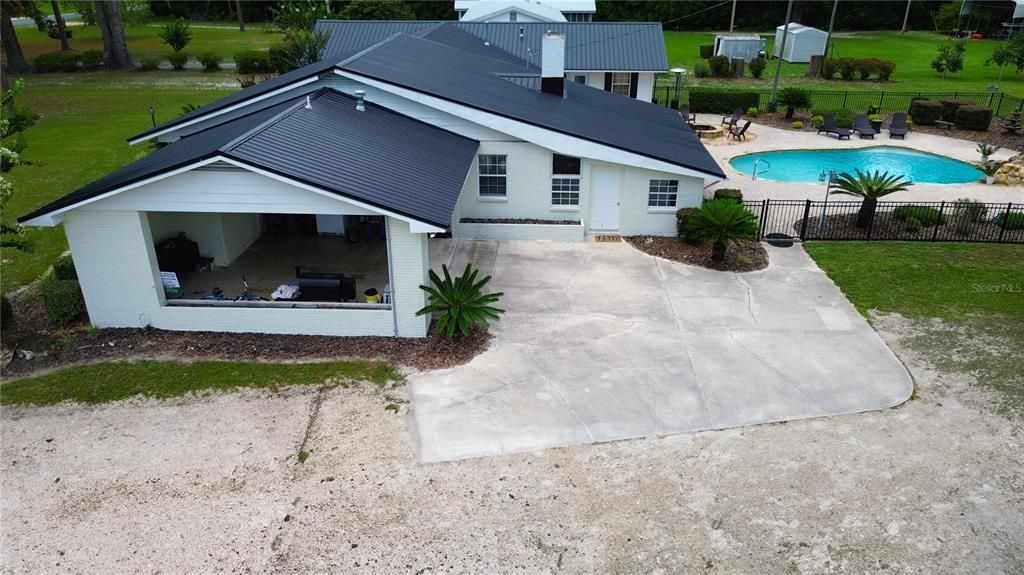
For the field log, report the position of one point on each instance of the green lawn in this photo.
(977, 290)
(104, 382)
(86, 119)
(912, 53)
(219, 38)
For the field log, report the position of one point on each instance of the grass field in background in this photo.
(113, 381)
(912, 53)
(86, 118)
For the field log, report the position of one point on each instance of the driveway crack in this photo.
(750, 296)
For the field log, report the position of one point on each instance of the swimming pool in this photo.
(806, 165)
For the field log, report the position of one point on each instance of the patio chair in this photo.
(863, 127)
(688, 116)
(732, 120)
(738, 133)
(898, 126)
(828, 126)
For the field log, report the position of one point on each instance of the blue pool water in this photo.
(806, 165)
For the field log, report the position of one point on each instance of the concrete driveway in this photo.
(601, 342)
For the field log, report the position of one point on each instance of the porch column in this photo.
(409, 263)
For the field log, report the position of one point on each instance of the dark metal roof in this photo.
(597, 46)
(624, 123)
(376, 156)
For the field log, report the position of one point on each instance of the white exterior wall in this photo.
(116, 263)
(221, 236)
(504, 232)
(644, 86)
(529, 196)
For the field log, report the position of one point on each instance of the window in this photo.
(620, 83)
(513, 16)
(662, 194)
(580, 78)
(492, 175)
(565, 181)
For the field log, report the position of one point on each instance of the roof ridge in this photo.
(370, 48)
(271, 121)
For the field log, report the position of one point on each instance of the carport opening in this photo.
(287, 260)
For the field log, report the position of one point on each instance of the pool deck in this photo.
(769, 139)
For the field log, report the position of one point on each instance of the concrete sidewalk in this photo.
(602, 342)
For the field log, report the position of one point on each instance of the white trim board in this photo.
(55, 217)
(544, 137)
(231, 108)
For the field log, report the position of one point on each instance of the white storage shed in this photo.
(801, 43)
(746, 46)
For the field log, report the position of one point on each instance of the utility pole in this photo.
(782, 52)
(906, 17)
(732, 20)
(831, 24)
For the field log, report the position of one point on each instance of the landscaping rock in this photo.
(1011, 173)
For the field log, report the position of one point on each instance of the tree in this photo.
(1010, 53)
(300, 49)
(115, 46)
(720, 223)
(61, 29)
(16, 62)
(378, 10)
(1002, 57)
(12, 235)
(461, 302)
(238, 10)
(870, 186)
(950, 57)
(299, 16)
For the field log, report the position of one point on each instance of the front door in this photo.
(604, 203)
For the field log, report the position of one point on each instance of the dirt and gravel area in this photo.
(743, 256)
(213, 484)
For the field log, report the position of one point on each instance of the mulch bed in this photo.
(55, 348)
(995, 136)
(886, 227)
(745, 256)
(518, 221)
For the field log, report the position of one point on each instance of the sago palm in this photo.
(720, 223)
(870, 186)
(461, 302)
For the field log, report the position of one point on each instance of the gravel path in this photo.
(212, 484)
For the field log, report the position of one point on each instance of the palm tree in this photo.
(720, 223)
(870, 186)
(461, 302)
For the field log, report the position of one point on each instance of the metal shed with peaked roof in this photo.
(802, 42)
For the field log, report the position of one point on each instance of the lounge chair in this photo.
(688, 117)
(732, 120)
(898, 126)
(863, 127)
(828, 126)
(738, 133)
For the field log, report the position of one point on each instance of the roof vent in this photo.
(360, 100)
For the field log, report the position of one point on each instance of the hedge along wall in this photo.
(973, 117)
(722, 101)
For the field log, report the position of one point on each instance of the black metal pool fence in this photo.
(1002, 104)
(959, 221)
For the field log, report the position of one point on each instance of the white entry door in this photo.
(604, 203)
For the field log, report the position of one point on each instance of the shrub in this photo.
(280, 58)
(969, 211)
(949, 108)
(829, 68)
(701, 69)
(177, 60)
(460, 302)
(926, 215)
(64, 268)
(757, 66)
(682, 219)
(752, 112)
(794, 98)
(865, 67)
(720, 223)
(847, 67)
(252, 62)
(1010, 221)
(707, 50)
(6, 314)
(912, 225)
(925, 112)
(720, 66)
(729, 194)
(149, 63)
(972, 117)
(176, 34)
(885, 69)
(844, 118)
(63, 300)
(92, 59)
(798, 125)
(817, 121)
(210, 61)
(56, 62)
(704, 100)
